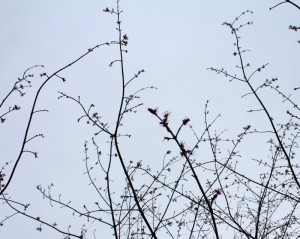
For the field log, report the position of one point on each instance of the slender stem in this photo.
(118, 125)
(33, 110)
(265, 110)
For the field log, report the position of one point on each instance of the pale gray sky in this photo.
(174, 41)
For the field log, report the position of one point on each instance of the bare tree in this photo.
(202, 188)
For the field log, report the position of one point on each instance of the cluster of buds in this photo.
(165, 120)
(2, 175)
(109, 10)
(217, 192)
(184, 151)
(247, 127)
(125, 40)
(16, 107)
(185, 121)
(295, 28)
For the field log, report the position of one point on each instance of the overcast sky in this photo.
(175, 41)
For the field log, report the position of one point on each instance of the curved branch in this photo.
(33, 110)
